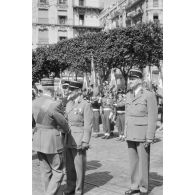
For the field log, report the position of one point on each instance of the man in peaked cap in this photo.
(140, 126)
(80, 118)
(48, 139)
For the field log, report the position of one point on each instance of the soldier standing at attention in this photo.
(80, 118)
(48, 140)
(120, 115)
(107, 113)
(140, 125)
(96, 103)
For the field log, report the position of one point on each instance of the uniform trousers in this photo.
(120, 121)
(106, 122)
(75, 167)
(51, 167)
(96, 121)
(138, 165)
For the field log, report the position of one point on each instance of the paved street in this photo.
(107, 168)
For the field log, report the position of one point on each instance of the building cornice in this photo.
(77, 8)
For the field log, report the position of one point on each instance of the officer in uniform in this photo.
(107, 114)
(120, 115)
(48, 139)
(80, 118)
(140, 126)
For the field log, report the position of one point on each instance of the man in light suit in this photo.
(80, 118)
(140, 125)
(48, 140)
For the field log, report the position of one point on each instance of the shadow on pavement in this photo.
(155, 180)
(94, 164)
(96, 180)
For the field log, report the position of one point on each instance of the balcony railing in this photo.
(43, 20)
(43, 41)
(43, 4)
(62, 6)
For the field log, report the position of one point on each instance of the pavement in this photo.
(107, 168)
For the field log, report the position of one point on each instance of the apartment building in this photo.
(55, 20)
(114, 15)
(124, 13)
(144, 11)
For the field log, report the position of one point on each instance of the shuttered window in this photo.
(43, 16)
(155, 3)
(43, 36)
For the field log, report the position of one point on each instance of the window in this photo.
(62, 2)
(81, 20)
(155, 3)
(62, 38)
(81, 2)
(62, 19)
(43, 16)
(43, 1)
(43, 36)
(155, 18)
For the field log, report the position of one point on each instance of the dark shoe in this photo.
(130, 192)
(95, 135)
(118, 138)
(104, 137)
(111, 134)
(69, 192)
(122, 139)
(143, 193)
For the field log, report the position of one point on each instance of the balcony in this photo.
(43, 20)
(135, 13)
(62, 6)
(132, 4)
(43, 41)
(83, 8)
(43, 4)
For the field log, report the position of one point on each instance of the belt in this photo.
(107, 109)
(96, 109)
(121, 112)
(45, 126)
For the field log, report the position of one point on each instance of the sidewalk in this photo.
(107, 168)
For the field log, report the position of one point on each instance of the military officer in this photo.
(48, 139)
(140, 126)
(120, 115)
(80, 118)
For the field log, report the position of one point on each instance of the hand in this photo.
(147, 143)
(84, 146)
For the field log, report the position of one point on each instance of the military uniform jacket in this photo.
(107, 103)
(80, 118)
(141, 116)
(48, 116)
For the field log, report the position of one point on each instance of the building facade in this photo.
(124, 13)
(54, 20)
(114, 16)
(144, 11)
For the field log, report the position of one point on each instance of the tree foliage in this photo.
(123, 48)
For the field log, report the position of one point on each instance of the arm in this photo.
(58, 116)
(88, 120)
(152, 116)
